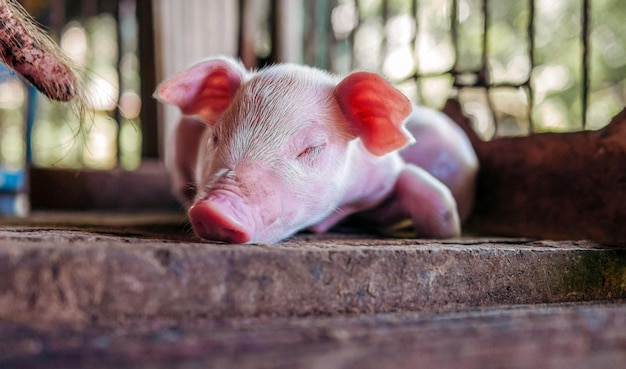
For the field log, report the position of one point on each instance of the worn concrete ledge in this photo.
(82, 274)
(552, 337)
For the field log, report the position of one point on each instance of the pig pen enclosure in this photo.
(99, 267)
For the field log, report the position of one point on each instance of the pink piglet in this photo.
(260, 155)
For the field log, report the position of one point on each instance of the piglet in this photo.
(260, 155)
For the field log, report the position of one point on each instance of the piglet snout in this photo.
(215, 220)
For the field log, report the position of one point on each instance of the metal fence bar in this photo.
(484, 75)
(414, 10)
(454, 34)
(586, 7)
(150, 147)
(530, 30)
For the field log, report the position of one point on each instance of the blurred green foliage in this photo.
(543, 85)
(423, 46)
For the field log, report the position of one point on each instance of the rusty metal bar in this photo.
(484, 75)
(454, 33)
(586, 7)
(353, 32)
(384, 48)
(150, 144)
(416, 76)
(531, 57)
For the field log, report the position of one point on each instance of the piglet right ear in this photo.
(375, 110)
(205, 89)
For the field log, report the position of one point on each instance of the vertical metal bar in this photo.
(31, 113)
(353, 32)
(321, 30)
(240, 20)
(484, 78)
(531, 57)
(116, 11)
(273, 25)
(150, 144)
(332, 46)
(585, 60)
(416, 77)
(384, 50)
(483, 56)
(454, 33)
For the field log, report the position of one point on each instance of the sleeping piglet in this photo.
(260, 155)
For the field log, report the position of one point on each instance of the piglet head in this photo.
(277, 153)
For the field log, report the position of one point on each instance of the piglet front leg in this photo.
(428, 202)
(422, 198)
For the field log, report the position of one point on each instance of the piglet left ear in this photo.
(376, 110)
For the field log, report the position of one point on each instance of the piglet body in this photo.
(261, 155)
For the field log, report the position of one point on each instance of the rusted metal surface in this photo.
(552, 185)
(147, 187)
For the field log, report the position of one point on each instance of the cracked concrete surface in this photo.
(92, 277)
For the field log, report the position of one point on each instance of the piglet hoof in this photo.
(429, 203)
(212, 223)
(447, 225)
(438, 217)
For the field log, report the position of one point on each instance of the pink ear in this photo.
(376, 111)
(206, 89)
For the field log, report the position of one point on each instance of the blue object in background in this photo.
(31, 113)
(14, 199)
(12, 181)
(16, 204)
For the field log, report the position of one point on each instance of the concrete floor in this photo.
(111, 290)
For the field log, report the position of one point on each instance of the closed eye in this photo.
(311, 152)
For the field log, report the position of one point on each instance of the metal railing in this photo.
(545, 83)
(516, 67)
